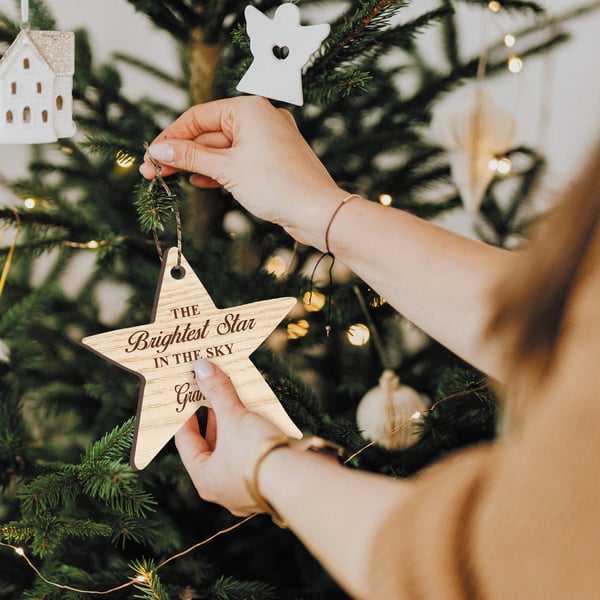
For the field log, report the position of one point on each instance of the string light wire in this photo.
(135, 580)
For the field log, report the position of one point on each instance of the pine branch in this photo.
(403, 36)
(112, 446)
(46, 492)
(45, 533)
(348, 41)
(156, 205)
(116, 485)
(328, 88)
(450, 37)
(362, 40)
(149, 583)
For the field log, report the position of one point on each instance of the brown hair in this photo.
(532, 298)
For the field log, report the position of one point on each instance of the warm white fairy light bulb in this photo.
(514, 64)
(29, 203)
(313, 301)
(376, 301)
(93, 244)
(125, 160)
(385, 199)
(19, 551)
(504, 166)
(276, 266)
(510, 40)
(494, 6)
(297, 329)
(358, 334)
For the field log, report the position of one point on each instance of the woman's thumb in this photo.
(216, 387)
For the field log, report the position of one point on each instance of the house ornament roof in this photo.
(56, 48)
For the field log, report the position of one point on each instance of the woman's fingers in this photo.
(202, 181)
(192, 447)
(219, 391)
(211, 428)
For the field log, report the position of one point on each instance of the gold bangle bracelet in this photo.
(308, 442)
(251, 480)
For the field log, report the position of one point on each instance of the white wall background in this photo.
(555, 98)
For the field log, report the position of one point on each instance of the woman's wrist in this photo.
(278, 460)
(263, 450)
(314, 224)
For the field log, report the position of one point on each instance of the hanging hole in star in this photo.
(178, 272)
(281, 52)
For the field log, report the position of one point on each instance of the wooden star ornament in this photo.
(186, 325)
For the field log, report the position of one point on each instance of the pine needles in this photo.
(49, 502)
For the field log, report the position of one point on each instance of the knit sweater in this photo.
(517, 518)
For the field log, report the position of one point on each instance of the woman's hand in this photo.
(256, 152)
(219, 462)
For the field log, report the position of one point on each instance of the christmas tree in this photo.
(69, 499)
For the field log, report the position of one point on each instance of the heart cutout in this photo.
(281, 52)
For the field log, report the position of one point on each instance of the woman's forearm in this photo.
(336, 512)
(439, 280)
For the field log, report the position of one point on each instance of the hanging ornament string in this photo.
(24, 15)
(11, 251)
(159, 181)
(330, 287)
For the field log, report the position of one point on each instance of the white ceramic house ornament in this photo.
(36, 88)
(280, 47)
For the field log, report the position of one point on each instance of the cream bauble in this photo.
(385, 413)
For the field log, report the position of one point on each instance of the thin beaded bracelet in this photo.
(333, 216)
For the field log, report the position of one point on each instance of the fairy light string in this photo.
(19, 551)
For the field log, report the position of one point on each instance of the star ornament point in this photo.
(186, 325)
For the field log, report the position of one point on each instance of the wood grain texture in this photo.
(186, 325)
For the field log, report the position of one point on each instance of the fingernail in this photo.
(146, 170)
(162, 152)
(203, 369)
